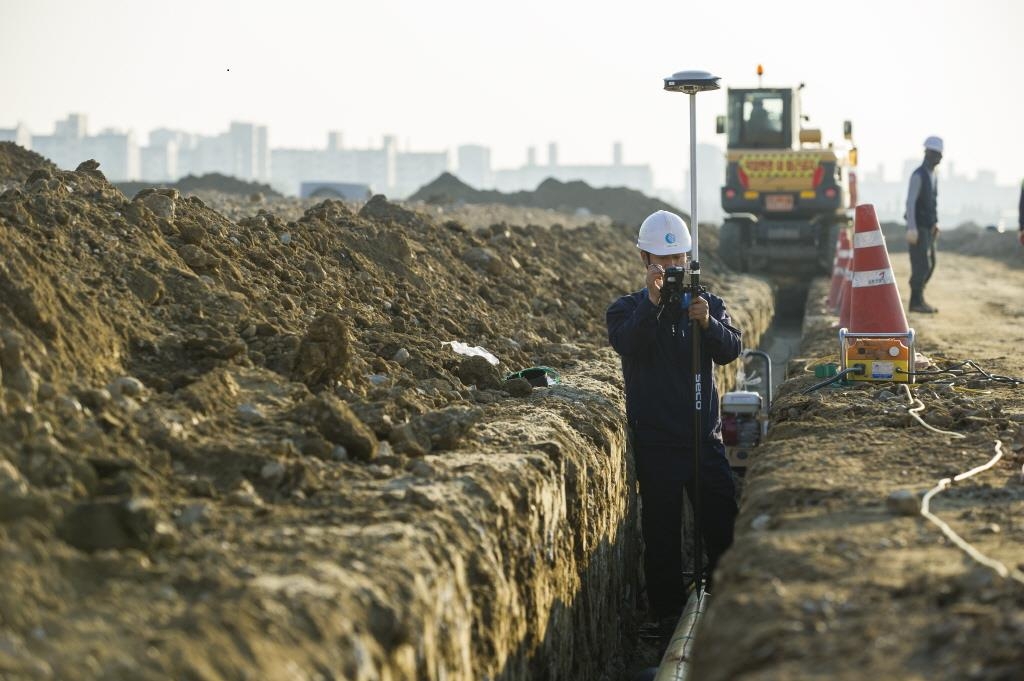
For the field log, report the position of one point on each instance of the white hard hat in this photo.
(664, 233)
(933, 143)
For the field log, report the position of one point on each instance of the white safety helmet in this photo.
(664, 233)
(933, 143)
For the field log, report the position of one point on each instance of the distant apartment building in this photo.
(247, 147)
(413, 169)
(19, 134)
(373, 167)
(385, 169)
(474, 165)
(616, 174)
(241, 152)
(117, 153)
(711, 167)
(159, 162)
(70, 144)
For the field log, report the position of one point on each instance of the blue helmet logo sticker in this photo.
(670, 238)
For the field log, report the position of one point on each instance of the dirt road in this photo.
(827, 579)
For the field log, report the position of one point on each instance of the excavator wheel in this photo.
(827, 248)
(733, 245)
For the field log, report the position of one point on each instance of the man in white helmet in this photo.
(654, 341)
(922, 217)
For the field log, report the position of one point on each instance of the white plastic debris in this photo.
(472, 351)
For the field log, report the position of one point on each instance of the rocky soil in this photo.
(248, 446)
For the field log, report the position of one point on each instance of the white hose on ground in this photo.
(917, 406)
(944, 484)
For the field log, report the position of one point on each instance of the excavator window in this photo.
(759, 119)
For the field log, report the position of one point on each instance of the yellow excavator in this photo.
(786, 193)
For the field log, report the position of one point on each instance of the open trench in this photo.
(781, 342)
(524, 564)
(577, 615)
(237, 521)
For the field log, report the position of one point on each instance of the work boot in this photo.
(923, 307)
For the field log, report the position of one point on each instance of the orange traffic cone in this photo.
(844, 293)
(839, 265)
(875, 305)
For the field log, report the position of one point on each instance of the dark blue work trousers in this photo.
(922, 264)
(664, 471)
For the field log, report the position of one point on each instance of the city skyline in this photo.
(584, 75)
(243, 150)
(529, 155)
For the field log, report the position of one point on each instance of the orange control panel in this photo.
(883, 359)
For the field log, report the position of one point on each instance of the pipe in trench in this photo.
(675, 664)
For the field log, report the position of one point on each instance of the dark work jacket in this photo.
(657, 357)
(926, 211)
(1020, 208)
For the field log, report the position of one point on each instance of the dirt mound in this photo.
(17, 163)
(163, 288)
(623, 205)
(210, 182)
(224, 442)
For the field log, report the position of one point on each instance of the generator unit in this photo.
(745, 413)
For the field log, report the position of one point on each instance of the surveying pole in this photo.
(692, 82)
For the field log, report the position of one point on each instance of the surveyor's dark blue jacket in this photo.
(657, 358)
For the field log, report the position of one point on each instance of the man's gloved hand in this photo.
(912, 237)
(655, 280)
(1022, 237)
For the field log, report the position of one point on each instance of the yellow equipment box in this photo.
(883, 356)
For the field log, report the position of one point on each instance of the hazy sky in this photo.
(438, 73)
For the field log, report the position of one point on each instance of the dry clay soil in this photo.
(237, 448)
(238, 444)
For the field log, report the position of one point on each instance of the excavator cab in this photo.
(786, 193)
(761, 119)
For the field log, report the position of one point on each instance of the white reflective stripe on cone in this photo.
(868, 239)
(873, 278)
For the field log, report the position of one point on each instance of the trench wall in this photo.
(526, 568)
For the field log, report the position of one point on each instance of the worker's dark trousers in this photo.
(663, 472)
(922, 264)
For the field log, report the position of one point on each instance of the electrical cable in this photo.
(957, 370)
(945, 483)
